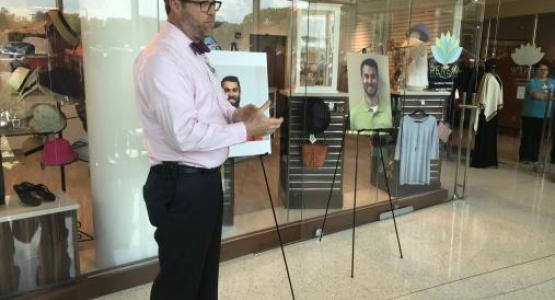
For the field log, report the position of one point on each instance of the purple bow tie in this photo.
(199, 48)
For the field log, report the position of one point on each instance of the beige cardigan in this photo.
(490, 98)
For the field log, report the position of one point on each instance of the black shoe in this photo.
(26, 196)
(41, 190)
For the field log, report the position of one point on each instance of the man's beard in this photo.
(234, 101)
(370, 89)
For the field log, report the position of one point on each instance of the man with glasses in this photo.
(536, 108)
(188, 126)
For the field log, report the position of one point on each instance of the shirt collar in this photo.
(183, 41)
(374, 109)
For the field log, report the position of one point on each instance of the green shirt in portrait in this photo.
(363, 117)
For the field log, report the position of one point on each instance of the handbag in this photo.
(314, 155)
(443, 132)
(316, 120)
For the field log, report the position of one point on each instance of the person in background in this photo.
(536, 108)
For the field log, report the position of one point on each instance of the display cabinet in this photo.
(317, 48)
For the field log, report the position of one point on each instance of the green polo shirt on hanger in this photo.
(364, 117)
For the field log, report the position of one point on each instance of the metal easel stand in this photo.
(460, 187)
(333, 180)
(374, 131)
(277, 225)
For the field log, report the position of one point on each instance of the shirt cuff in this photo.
(238, 132)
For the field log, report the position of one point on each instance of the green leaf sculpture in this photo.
(446, 49)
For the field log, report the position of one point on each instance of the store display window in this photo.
(369, 115)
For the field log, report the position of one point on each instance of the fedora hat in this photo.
(21, 79)
(63, 28)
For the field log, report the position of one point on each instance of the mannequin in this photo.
(490, 100)
(417, 58)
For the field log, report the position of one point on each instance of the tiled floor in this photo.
(498, 243)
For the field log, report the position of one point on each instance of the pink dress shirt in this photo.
(185, 115)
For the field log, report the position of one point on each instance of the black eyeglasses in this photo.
(205, 6)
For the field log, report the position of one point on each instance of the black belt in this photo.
(184, 169)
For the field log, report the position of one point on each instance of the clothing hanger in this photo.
(418, 114)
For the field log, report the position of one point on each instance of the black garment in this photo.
(485, 145)
(530, 139)
(187, 211)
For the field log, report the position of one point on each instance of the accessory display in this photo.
(199, 48)
(58, 152)
(47, 118)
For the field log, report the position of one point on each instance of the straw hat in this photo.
(63, 28)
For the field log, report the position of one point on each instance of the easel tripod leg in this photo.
(277, 228)
(389, 195)
(354, 212)
(333, 183)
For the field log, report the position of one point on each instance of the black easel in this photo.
(277, 226)
(373, 131)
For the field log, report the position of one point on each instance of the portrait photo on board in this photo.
(369, 91)
(243, 78)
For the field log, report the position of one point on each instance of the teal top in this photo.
(533, 107)
(362, 116)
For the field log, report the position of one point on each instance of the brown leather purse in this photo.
(314, 155)
(316, 120)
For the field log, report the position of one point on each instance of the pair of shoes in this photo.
(33, 194)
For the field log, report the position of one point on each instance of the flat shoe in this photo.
(27, 197)
(41, 189)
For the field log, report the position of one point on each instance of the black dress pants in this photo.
(186, 209)
(530, 139)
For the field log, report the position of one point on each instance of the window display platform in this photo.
(38, 244)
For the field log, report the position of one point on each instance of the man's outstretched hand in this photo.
(256, 122)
